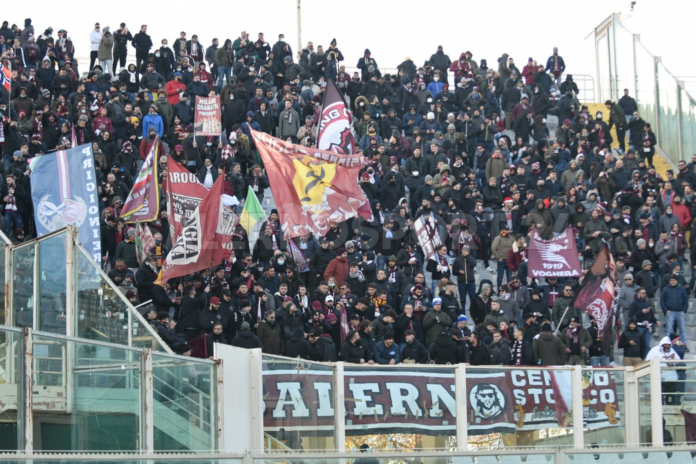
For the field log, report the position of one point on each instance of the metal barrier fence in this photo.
(64, 394)
(624, 63)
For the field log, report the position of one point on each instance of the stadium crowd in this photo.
(458, 141)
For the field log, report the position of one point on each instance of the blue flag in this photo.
(64, 192)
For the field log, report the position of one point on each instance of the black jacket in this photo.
(246, 339)
(445, 350)
(320, 260)
(479, 355)
(415, 351)
(298, 346)
(145, 278)
(632, 351)
(325, 350)
(354, 353)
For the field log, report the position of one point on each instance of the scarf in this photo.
(444, 263)
(392, 273)
(132, 77)
(11, 203)
(226, 153)
(302, 300)
(358, 275)
(575, 335)
(517, 352)
(345, 326)
(556, 65)
(287, 115)
(417, 300)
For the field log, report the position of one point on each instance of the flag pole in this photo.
(9, 93)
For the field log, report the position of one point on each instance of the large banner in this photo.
(598, 294)
(335, 130)
(425, 402)
(184, 194)
(311, 187)
(64, 192)
(557, 257)
(142, 204)
(199, 246)
(428, 236)
(207, 120)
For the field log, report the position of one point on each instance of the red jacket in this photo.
(173, 89)
(339, 269)
(145, 146)
(515, 257)
(528, 72)
(682, 212)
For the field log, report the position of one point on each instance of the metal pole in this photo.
(461, 405)
(9, 288)
(147, 422)
(299, 26)
(70, 281)
(578, 431)
(631, 416)
(28, 392)
(339, 408)
(219, 398)
(656, 402)
(256, 394)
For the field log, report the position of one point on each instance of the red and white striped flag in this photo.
(144, 241)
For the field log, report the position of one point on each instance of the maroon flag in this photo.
(199, 347)
(689, 427)
(335, 131)
(597, 294)
(200, 244)
(557, 257)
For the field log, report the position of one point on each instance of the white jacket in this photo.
(671, 355)
(94, 40)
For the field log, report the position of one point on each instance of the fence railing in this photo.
(68, 394)
(54, 285)
(623, 62)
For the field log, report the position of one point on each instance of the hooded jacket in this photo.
(549, 350)
(657, 352)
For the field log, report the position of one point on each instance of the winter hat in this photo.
(508, 200)
(331, 317)
(546, 327)
(602, 206)
(431, 115)
(215, 300)
(437, 300)
(428, 177)
(640, 242)
(130, 294)
(647, 262)
(340, 251)
(245, 326)
(317, 306)
(628, 276)
(461, 318)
